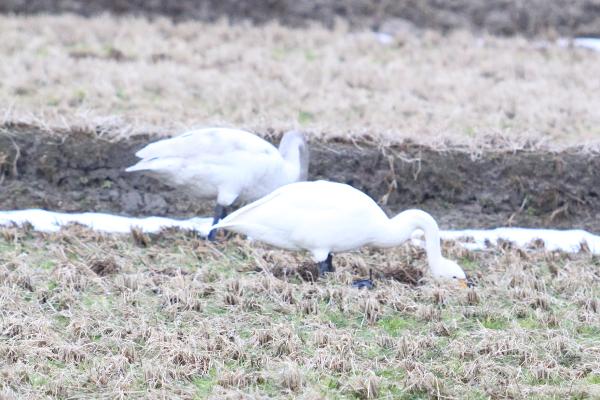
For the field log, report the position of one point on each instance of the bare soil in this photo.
(504, 17)
(78, 171)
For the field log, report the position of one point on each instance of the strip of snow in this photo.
(474, 239)
(48, 221)
(585, 42)
(588, 43)
(554, 239)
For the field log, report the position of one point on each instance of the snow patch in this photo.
(48, 221)
(570, 241)
(584, 42)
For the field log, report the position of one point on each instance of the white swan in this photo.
(226, 164)
(326, 217)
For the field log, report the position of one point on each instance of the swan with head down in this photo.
(225, 164)
(325, 217)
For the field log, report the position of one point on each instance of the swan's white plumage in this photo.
(325, 217)
(226, 164)
(309, 215)
(207, 141)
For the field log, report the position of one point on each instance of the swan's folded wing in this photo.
(209, 142)
(295, 201)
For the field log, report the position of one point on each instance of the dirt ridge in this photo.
(81, 172)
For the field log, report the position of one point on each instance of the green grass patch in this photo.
(47, 264)
(529, 323)
(62, 321)
(97, 302)
(310, 55)
(468, 263)
(494, 322)
(205, 384)
(57, 364)
(211, 309)
(594, 379)
(339, 319)
(415, 394)
(395, 325)
(36, 379)
(589, 331)
(305, 117)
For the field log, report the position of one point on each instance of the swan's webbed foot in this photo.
(326, 266)
(220, 213)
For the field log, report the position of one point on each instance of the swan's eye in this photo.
(454, 277)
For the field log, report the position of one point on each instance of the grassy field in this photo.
(84, 315)
(123, 75)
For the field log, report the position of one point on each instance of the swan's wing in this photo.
(301, 200)
(208, 142)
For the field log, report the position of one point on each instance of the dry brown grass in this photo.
(130, 75)
(86, 315)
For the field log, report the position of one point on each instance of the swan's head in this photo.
(293, 147)
(450, 270)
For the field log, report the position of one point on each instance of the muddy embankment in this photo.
(80, 172)
(504, 17)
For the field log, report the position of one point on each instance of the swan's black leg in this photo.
(223, 212)
(220, 213)
(326, 266)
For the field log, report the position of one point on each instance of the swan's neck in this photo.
(295, 153)
(400, 229)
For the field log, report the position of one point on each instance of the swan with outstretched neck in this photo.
(225, 164)
(325, 217)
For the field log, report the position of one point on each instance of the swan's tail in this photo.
(135, 167)
(154, 164)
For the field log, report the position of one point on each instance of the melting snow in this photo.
(554, 239)
(585, 42)
(475, 239)
(48, 221)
